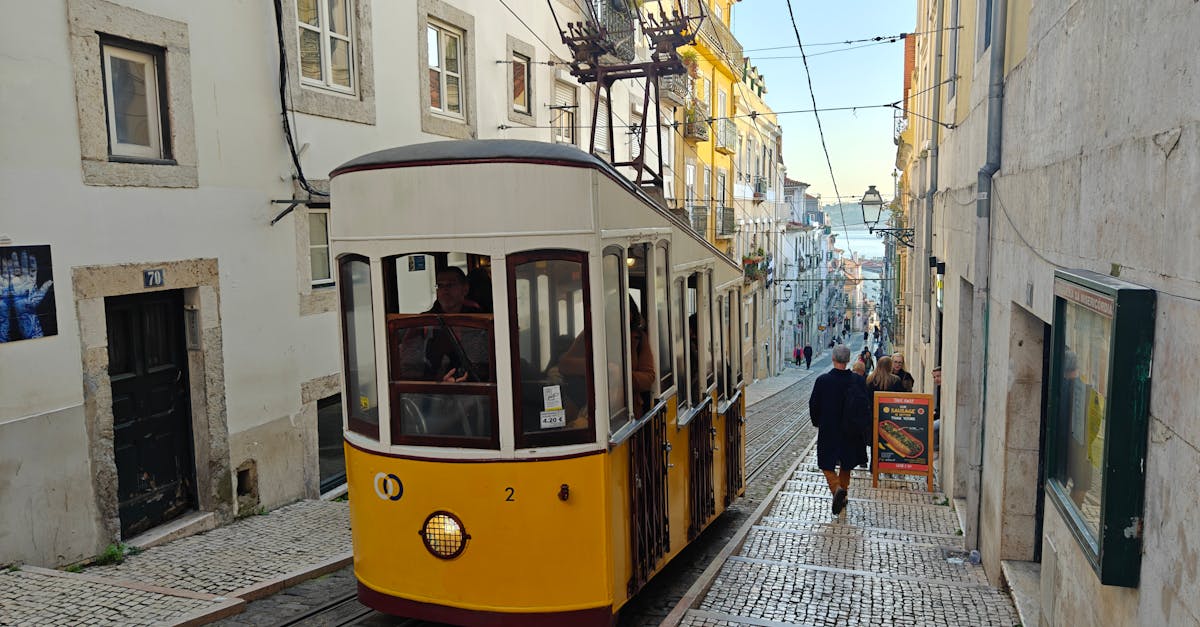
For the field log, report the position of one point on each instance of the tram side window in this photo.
(691, 309)
(614, 337)
(551, 337)
(709, 314)
(642, 367)
(681, 341)
(720, 346)
(357, 330)
(662, 303)
(441, 350)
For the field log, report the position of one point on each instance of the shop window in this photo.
(1102, 339)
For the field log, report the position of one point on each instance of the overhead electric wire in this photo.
(820, 129)
(858, 41)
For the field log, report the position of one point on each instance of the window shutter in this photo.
(602, 126)
(564, 96)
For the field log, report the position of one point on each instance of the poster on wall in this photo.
(903, 441)
(27, 309)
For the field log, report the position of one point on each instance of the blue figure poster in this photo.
(27, 308)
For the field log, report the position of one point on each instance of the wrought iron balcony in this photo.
(616, 19)
(699, 218)
(726, 138)
(725, 222)
(717, 36)
(675, 88)
(695, 126)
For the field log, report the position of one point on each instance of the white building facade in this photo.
(170, 355)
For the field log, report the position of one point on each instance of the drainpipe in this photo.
(934, 134)
(983, 249)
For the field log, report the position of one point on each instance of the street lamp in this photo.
(787, 295)
(872, 206)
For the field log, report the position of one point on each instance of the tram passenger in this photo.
(479, 288)
(445, 361)
(642, 365)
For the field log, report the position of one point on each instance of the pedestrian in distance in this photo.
(906, 378)
(866, 359)
(838, 409)
(807, 357)
(796, 354)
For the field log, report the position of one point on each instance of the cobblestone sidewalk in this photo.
(894, 557)
(189, 581)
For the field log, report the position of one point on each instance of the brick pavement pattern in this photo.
(178, 581)
(249, 551)
(31, 597)
(894, 557)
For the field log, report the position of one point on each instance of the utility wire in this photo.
(820, 129)
(858, 41)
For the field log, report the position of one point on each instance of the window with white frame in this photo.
(134, 91)
(707, 185)
(445, 69)
(318, 247)
(689, 190)
(326, 45)
(520, 83)
(565, 106)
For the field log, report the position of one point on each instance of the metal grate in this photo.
(733, 451)
(702, 503)
(650, 534)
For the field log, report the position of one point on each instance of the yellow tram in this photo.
(542, 378)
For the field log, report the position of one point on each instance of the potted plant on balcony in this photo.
(691, 60)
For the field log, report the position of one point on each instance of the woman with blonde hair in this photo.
(882, 379)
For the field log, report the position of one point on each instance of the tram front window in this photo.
(551, 336)
(441, 352)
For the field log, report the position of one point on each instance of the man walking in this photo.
(839, 410)
(807, 357)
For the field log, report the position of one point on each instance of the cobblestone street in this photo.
(894, 557)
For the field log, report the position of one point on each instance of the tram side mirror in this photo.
(564, 492)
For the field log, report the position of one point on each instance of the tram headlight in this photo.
(444, 535)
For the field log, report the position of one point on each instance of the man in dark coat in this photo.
(837, 445)
(807, 356)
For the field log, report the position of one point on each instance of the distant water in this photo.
(860, 241)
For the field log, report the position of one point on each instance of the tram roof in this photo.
(474, 151)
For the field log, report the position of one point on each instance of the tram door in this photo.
(152, 425)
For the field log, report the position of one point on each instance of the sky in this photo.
(860, 142)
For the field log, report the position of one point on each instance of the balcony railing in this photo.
(695, 125)
(726, 133)
(717, 36)
(725, 222)
(675, 88)
(699, 219)
(617, 20)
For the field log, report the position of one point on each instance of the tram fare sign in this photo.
(903, 436)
